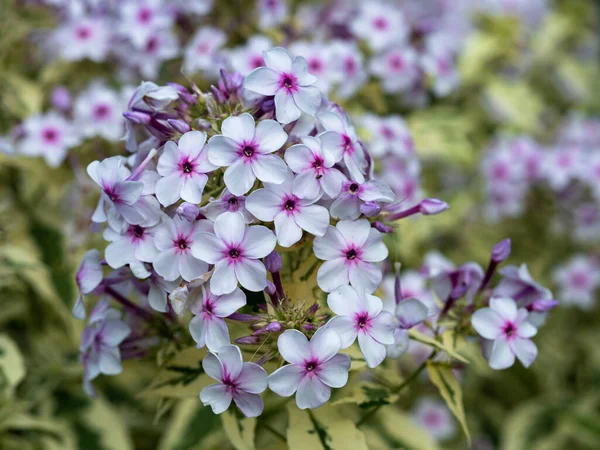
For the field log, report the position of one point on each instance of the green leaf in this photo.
(180, 376)
(326, 428)
(420, 337)
(443, 378)
(367, 395)
(239, 429)
(393, 428)
(12, 365)
(104, 422)
(189, 427)
(20, 96)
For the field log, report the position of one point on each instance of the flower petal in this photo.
(333, 274)
(251, 274)
(308, 99)
(269, 136)
(222, 151)
(345, 301)
(334, 373)
(324, 344)
(251, 405)
(329, 246)
(216, 334)
(239, 177)
(312, 393)
(230, 227)
(502, 356)
(223, 280)
(373, 351)
(252, 378)
(217, 396)
(231, 359)
(345, 327)
(263, 204)
(269, 169)
(314, 219)
(285, 380)
(365, 276)
(525, 350)
(227, 304)
(258, 242)
(212, 366)
(286, 110)
(288, 232)
(239, 128)
(263, 81)
(293, 346)
(487, 323)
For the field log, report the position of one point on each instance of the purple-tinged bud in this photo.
(138, 117)
(313, 308)
(273, 262)
(370, 209)
(431, 206)
(501, 251)
(179, 125)
(218, 95)
(459, 290)
(248, 340)
(189, 211)
(230, 82)
(397, 286)
(161, 97)
(61, 99)
(268, 105)
(379, 226)
(270, 289)
(184, 94)
(542, 305)
(308, 327)
(243, 317)
(274, 327)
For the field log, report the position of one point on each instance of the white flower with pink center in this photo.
(271, 13)
(174, 239)
(397, 67)
(49, 135)
(134, 246)
(277, 203)
(183, 166)
(139, 19)
(314, 166)
(347, 68)
(246, 150)
(227, 202)
(434, 417)
(361, 316)
(161, 45)
(438, 63)
(350, 250)
(237, 380)
(235, 249)
(318, 58)
(289, 81)
(122, 198)
(208, 327)
(97, 112)
(388, 135)
(201, 54)
(578, 280)
(315, 367)
(354, 194)
(340, 139)
(81, 38)
(509, 330)
(250, 56)
(380, 24)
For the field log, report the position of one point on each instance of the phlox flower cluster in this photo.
(218, 189)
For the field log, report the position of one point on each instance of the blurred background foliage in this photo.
(43, 233)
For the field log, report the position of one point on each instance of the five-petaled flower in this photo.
(349, 250)
(237, 380)
(235, 250)
(361, 315)
(246, 151)
(315, 367)
(509, 330)
(183, 166)
(289, 81)
(208, 327)
(291, 214)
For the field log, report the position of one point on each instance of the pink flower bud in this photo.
(273, 262)
(189, 211)
(431, 206)
(501, 251)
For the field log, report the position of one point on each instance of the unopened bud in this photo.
(381, 227)
(61, 99)
(370, 209)
(248, 340)
(274, 327)
(138, 117)
(179, 299)
(273, 262)
(431, 206)
(501, 251)
(542, 305)
(188, 211)
(179, 125)
(308, 327)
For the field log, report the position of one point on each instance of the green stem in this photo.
(397, 389)
(274, 431)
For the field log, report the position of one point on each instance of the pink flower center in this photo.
(387, 132)
(510, 330)
(318, 166)
(353, 188)
(83, 32)
(151, 45)
(101, 111)
(144, 15)
(234, 253)
(380, 23)
(443, 66)
(432, 419)
(579, 280)
(350, 65)
(352, 254)
(256, 61)
(288, 81)
(396, 62)
(202, 48)
(347, 144)
(50, 135)
(564, 161)
(290, 205)
(182, 244)
(362, 321)
(500, 171)
(315, 65)
(186, 166)
(136, 232)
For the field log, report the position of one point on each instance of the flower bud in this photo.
(542, 305)
(138, 117)
(270, 289)
(273, 262)
(431, 206)
(189, 211)
(370, 209)
(248, 340)
(61, 99)
(382, 227)
(274, 327)
(184, 94)
(179, 299)
(179, 125)
(308, 327)
(161, 97)
(501, 251)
